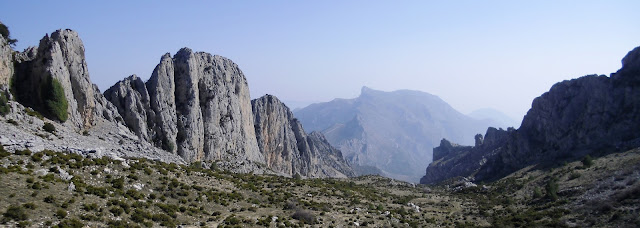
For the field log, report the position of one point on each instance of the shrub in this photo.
(90, 207)
(537, 193)
(33, 113)
(48, 127)
(4, 106)
(16, 213)
(4, 31)
(552, 189)
(304, 216)
(117, 211)
(49, 199)
(70, 223)
(587, 161)
(55, 100)
(61, 213)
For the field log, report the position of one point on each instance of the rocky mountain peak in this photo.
(60, 57)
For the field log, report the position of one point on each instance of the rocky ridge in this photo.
(61, 57)
(195, 107)
(588, 115)
(286, 146)
(194, 104)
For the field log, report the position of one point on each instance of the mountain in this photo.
(591, 115)
(391, 131)
(288, 149)
(497, 118)
(195, 106)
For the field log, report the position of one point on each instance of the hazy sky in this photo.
(472, 54)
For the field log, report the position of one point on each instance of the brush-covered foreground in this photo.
(67, 190)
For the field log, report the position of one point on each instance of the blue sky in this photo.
(473, 54)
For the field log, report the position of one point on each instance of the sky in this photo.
(472, 54)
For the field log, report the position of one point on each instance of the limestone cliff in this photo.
(195, 104)
(6, 62)
(288, 149)
(589, 115)
(61, 57)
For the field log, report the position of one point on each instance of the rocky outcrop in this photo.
(131, 99)
(195, 104)
(589, 115)
(6, 62)
(60, 57)
(452, 160)
(288, 149)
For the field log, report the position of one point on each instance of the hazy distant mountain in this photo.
(498, 118)
(393, 131)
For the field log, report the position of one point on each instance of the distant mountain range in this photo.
(498, 118)
(394, 132)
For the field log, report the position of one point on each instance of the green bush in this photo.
(537, 193)
(61, 213)
(587, 161)
(552, 189)
(4, 31)
(70, 223)
(304, 216)
(4, 104)
(55, 99)
(33, 113)
(16, 213)
(48, 127)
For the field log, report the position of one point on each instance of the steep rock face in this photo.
(288, 149)
(6, 62)
(589, 115)
(194, 104)
(393, 131)
(131, 99)
(61, 57)
(161, 88)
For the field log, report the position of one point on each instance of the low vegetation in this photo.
(142, 193)
(55, 100)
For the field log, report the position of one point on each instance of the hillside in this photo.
(591, 115)
(68, 190)
(392, 131)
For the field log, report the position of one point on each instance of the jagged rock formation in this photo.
(452, 160)
(197, 105)
(194, 104)
(131, 98)
(288, 149)
(589, 115)
(61, 57)
(393, 131)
